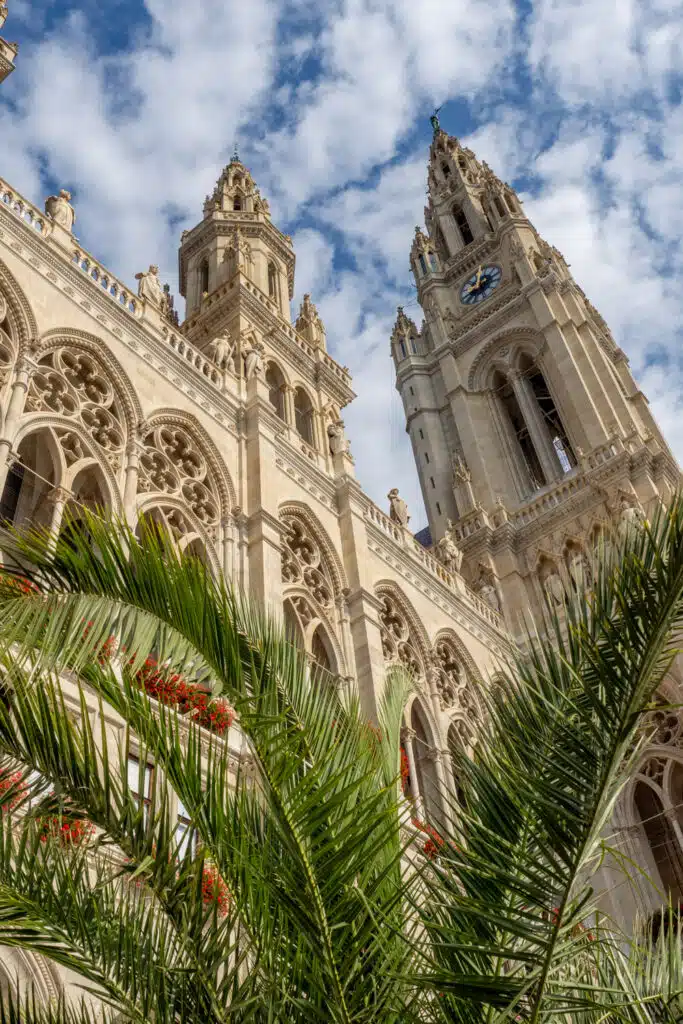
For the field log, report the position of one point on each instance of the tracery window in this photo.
(398, 644)
(75, 385)
(173, 464)
(204, 278)
(303, 563)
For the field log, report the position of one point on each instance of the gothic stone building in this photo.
(529, 433)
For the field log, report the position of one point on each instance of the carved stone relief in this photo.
(398, 644)
(172, 463)
(303, 562)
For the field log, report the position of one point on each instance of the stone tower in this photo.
(8, 51)
(530, 435)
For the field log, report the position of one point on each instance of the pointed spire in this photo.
(309, 324)
(404, 327)
(236, 192)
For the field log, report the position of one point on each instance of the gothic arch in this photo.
(177, 417)
(311, 618)
(19, 311)
(402, 643)
(504, 350)
(468, 661)
(26, 966)
(59, 428)
(95, 347)
(196, 530)
(307, 516)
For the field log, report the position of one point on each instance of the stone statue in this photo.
(579, 572)
(488, 593)
(554, 588)
(338, 443)
(169, 304)
(434, 121)
(398, 510)
(461, 470)
(61, 210)
(149, 287)
(630, 515)
(448, 552)
(221, 349)
(253, 359)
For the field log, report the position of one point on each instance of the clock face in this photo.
(482, 283)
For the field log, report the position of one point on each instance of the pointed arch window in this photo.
(273, 290)
(508, 400)
(661, 839)
(237, 203)
(402, 346)
(423, 263)
(276, 385)
(510, 202)
(445, 169)
(303, 416)
(500, 206)
(553, 423)
(204, 277)
(463, 225)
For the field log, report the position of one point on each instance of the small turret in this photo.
(8, 51)
(309, 325)
(405, 337)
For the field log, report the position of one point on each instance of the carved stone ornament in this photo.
(447, 551)
(76, 385)
(664, 726)
(253, 358)
(398, 510)
(398, 644)
(303, 562)
(61, 211)
(450, 677)
(338, 443)
(221, 350)
(150, 288)
(172, 463)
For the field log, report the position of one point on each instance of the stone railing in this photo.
(109, 284)
(193, 356)
(22, 209)
(411, 548)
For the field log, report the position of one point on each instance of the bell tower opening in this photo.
(463, 225)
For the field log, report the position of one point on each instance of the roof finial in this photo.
(235, 155)
(434, 119)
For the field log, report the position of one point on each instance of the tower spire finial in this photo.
(235, 155)
(434, 119)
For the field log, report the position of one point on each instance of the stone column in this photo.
(408, 737)
(288, 393)
(533, 417)
(58, 497)
(130, 486)
(14, 410)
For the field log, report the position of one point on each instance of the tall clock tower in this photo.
(530, 435)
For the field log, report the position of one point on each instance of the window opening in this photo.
(438, 509)
(204, 278)
(186, 836)
(140, 779)
(522, 436)
(551, 417)
(463, 225)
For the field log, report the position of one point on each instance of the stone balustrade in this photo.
(411, 548)
(193, 356)
(24, 210)
(109, 284)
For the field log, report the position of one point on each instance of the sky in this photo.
(136, 107)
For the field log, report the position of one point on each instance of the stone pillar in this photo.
(227, 548)
(408, 738)
(14, 410)
(288, 393)
(533, 417)
(58, 497)
(130, 486)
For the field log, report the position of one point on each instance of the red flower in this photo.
(108, 648)
(69, 831)
(13, 781)
(434, 843)
(189, 698)
(405, 771)
(215, 890)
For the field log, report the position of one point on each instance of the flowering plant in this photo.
(434, 842)
(405, 771)
(215, 890)
(12, 781)
(108, 648)
(172, 689)
(69, 831)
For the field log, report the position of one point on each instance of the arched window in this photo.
(204, 278)
(508, 400)
(303, 416)
(276, 384)
(425, 766)
(510, 202)
(553, 423)
(273, 291)
(500, 206)
(462, 164)
(423, 263)
(441, 246)
(402, 346)
(320, 651)
(432, 261)
(661, 839)
(463, 225)
(237, 203)
(26, 495)
(445, 169)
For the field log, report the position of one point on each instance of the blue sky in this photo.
(136, 107)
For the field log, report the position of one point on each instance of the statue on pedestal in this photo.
(398, 510)
(221, 349)
(253, 359)
(61, 211)
(150, 289)
(447, 551)
(338, 443)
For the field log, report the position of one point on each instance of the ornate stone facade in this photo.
(533, 446)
